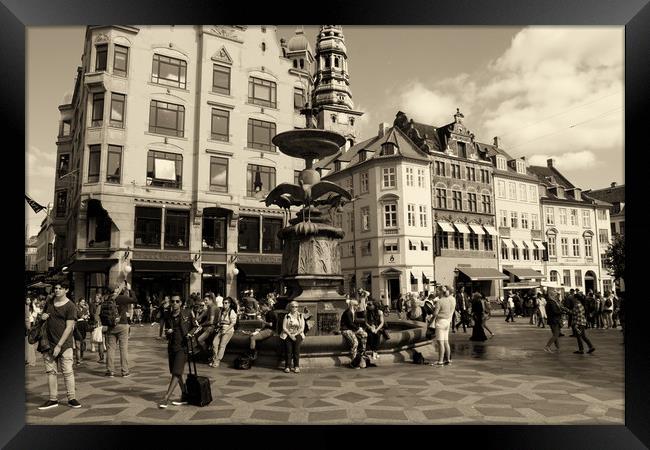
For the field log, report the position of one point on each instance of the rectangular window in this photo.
(66, 126)
(487, 204)
(459, 241)
(603, 236)
(166, 118)
(296, 176)
(169, 71)
(563, 216)
(220, 125)
(364, 182)
(471, 201)
(567, 277)
(455, 171)
(121, 60)
(576, 246)
(177, 229)
(164, 169)
(391, 248)
(485, 176)
(613, 226)
(94, 162)
(114, 164)
(524, 220)
(421, 178)
(260, 134)
(522, 192)
(564, 245)
(64, 164)
(214, 231)
(411, 214)
(504, 252)
(298, 98)
(389, 177)
(501, 189)
(348, 185)
(602, 214)
(362, 155)
(390, 215)
(607, 285)
(102, 58)
(588, 248)
(512, 187)
(471, 173)
(514, 219)
(551, 246)
(97, 117)
(221, 79)
(271, 243)
(574, 217)
(409, 176)
(525, 254)
(118, 103)
(458, 200)
(218, 174)
(423, 216)
(424, 246)
(503, 218)
(351, 222)
(262, 92)
(534, 222)
(473, 241)
(61, 203)
(550, 216)
(603, 260)
(259, 179)
(440, 168)
(248, 239)
(532, 194)
(515, 253)
(488, 243)
(443, 240)
(462, 149)
(441, 198)
(501, 164)
(366, 248)
(147, 227)
(365, 218)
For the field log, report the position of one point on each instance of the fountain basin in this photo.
(309, 143)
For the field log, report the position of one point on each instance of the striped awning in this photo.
(428, 274)
(491, 230)
(476, 229)
(507, 243)
(517, 243)
(462, 228)
(446, 226)
(529, 244)
(539, 245)
(392, 241)
(426, 242)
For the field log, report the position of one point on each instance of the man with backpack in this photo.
(113, 315)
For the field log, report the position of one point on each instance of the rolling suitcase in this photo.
(198, 388)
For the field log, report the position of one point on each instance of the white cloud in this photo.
(567, 161)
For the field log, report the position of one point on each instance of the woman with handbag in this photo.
(225, 330)
(293, 333)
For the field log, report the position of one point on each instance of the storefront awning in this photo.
(461, 227)
(476, 229)
(529, 244)
(96, 209)
(393, 241)
(513, 286)
(539, 245)
(507, 243)
(162, 266)
(491, 230)
(426, 242)
(260, 270)
(525, 273)
(428, 274)
(92, 265)
(446, 226)
(517, 243)
(481, 273)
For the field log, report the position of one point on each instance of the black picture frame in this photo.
(16, 15)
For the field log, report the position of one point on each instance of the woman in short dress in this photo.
(443, 310)
(293, 327)
(225, 330)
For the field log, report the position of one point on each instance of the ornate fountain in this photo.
(311, 258)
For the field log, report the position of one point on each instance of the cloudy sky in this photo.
(545, 91)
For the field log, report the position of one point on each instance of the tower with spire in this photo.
(331, 97)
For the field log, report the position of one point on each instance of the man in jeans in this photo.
(61, 315)
(353, 333)
(579, 324)
(119, 334)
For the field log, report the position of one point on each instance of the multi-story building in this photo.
(576, 230)
(517, 208)
(165, 153)
(31, 250)
(463, 204)
(45, 244)
(387, 248)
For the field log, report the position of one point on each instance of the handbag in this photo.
(97, 336)
(34, 334)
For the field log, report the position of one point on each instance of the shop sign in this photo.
(259, 259)
(162, 256)
(391, 259)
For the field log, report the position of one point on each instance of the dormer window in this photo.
(387, 149)
(521, 167)
(501, 163)
(337, 165)
(363, 155)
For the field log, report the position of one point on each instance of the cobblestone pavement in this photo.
(506, 380)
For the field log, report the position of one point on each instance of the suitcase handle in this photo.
(190, 358)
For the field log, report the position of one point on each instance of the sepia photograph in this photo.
(324, 225)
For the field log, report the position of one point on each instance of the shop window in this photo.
(271, 243)
(147, 227)
(214, 232)
(249, 235)
(177, 229)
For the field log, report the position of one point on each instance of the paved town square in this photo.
(508, 379)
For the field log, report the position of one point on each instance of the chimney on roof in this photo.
(383, 129)
(496, 141)
(550, 162)
(613, 184)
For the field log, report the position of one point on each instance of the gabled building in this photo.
(576, 230)
(462, 195)
(387, 248)
(517, 208)
(615, 195)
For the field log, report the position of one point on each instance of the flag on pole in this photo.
(35, 206)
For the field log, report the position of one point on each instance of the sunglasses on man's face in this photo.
(176, 301)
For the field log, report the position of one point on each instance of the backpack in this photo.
(109, 315)
(608, 302)
(243, 362)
